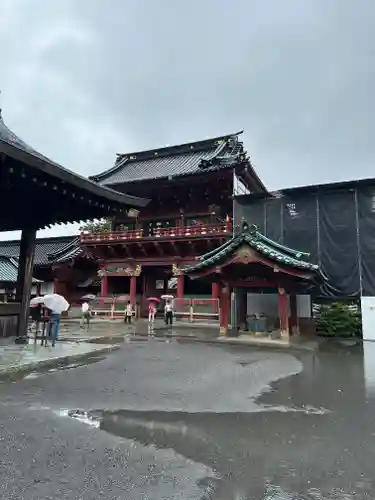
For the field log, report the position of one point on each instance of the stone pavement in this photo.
(113, 331)
(23, 358)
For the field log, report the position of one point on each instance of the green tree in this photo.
(338, 320)
(97, 226)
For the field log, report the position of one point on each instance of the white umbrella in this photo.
(89, 296)
(36, 301)
(167, 297)
(57, 303)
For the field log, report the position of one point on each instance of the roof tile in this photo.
(9, 270)
(192, 158)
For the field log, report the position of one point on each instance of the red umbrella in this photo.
(153, 299)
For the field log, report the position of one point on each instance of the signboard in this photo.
(159, 285)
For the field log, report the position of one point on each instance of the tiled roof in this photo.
(44, 247)
(70, 251)
(250, 236)
(9, 270)
(12, 146)
(10, 137)
(186, 159)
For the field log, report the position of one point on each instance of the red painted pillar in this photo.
(283, 312)
(224, 311)
(133, 289)
(180, 286)
(293, 314)
(104, 287)
(215, 292)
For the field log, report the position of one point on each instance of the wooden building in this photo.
(190, 212)
(251, 261)
(35, 192)
(59, 266)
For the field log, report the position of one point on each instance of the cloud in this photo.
(84, 80)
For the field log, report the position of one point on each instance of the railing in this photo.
(196, 309)
(184, 309)
(170, 232)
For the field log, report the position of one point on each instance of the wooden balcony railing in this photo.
(158, 233)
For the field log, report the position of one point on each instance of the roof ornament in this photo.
(246, 228)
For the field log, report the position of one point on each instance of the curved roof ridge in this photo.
(12, 145)
(251, 236)
(7, 135)
(297, 254)
(63, 249)
(122, 158)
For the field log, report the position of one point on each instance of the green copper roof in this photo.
(9, 270)
(250, 236)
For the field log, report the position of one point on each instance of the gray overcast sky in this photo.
(84, 79)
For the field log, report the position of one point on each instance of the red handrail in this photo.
(169, 232)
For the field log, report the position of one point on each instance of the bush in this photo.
(339, 320)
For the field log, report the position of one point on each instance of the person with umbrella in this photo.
(168, 309)
(168, 312)
(151, 313)
(86, 310)
(56, 304)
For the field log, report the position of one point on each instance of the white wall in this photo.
(46, 287)
(267, 303)
(368, 317)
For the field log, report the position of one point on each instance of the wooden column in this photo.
(224, 310)
(104, 286)
(180, 286)
(21, 265)
(25, 277)
(215, 292)
(283, 313)
(133, 289)
(293, 314)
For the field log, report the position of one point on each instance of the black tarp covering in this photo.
(274, 220)
(257, 214)
(366, 223)
(338, 243)
(336, 226)
(300, 229)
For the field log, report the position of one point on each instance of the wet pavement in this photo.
(170, 420)
(22, 357)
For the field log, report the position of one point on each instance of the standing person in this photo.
(151, 317)
(168, 313)
(128, 313)
(86, 313)
(55, 326)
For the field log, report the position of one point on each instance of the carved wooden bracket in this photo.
(176, 270)
(120, 271)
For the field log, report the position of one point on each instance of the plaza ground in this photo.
(171, 420)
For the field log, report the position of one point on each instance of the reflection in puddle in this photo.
(310, 437)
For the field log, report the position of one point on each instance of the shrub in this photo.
(339, 319)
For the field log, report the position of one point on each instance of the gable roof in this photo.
(249, 235)
(174, 161)
(9, 270)
(70, 251)
(15, 148)
(43, 249)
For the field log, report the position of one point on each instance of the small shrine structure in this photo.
(251, 261)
